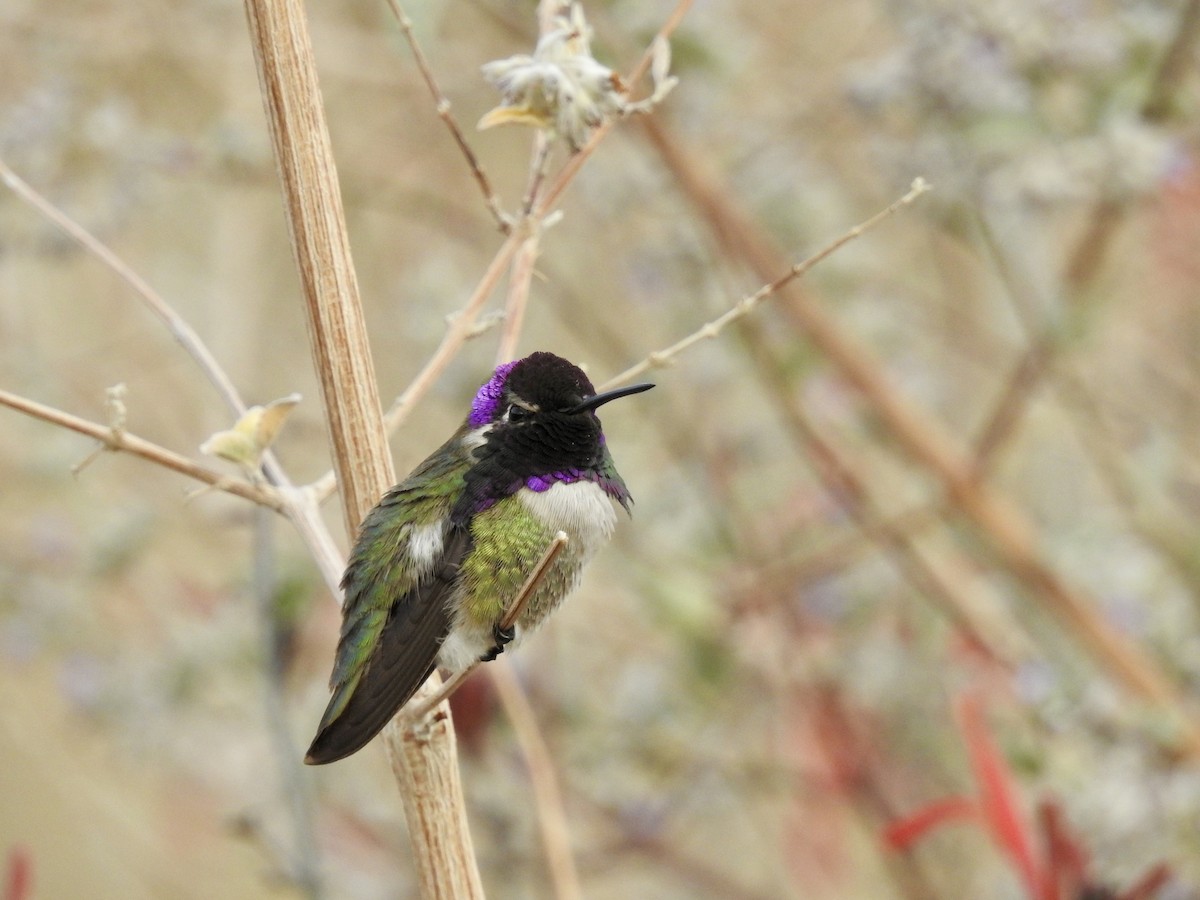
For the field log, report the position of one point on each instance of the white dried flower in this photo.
(562, 88)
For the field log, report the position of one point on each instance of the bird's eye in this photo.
(518, 413)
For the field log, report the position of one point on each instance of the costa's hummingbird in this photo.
(440, 559)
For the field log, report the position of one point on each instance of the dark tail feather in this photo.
(405, 656)
(362, 719)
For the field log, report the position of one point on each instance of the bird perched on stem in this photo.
(441, 558)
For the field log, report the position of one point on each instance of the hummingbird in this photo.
(440, 559)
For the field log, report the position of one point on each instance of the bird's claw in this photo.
(503, 636)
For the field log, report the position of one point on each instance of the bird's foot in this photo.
(503, 636)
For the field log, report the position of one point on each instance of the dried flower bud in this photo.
(253, 433)
(562, 88)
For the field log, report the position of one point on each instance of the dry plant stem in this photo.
(556, 835)
(537, 171)
(456, 335)
(426, 767)
(747, 305)
(262, 494)
(521, 274)
(442, 104)
(296, 505)
(517, 302)
(1007, 532)
(415, 714)
(315, 219)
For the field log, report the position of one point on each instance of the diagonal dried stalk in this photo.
(442, 104)
(1007, 533)
(425, 766)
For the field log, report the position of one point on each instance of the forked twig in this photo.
(461, 327)
(454, 682)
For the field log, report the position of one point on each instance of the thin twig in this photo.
(120, 439)
(456, 335)
(461, 326)
(442, 104)
(178, 327)
(454, 682)
(521, 273)
(537, 170)
(747, 305)
(304, 514)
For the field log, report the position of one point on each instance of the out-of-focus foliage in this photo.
(749, 686)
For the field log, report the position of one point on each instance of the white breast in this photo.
(581, 509)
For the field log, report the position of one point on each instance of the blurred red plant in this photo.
(1050, 862)
(18, 879)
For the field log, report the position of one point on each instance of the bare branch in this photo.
(442, 104)
(179, 328)
(120, 439)
(304, 514)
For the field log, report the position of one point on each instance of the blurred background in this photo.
(879, 525)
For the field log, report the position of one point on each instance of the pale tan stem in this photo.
(456, 335)
(425, 766)
(517, 301)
